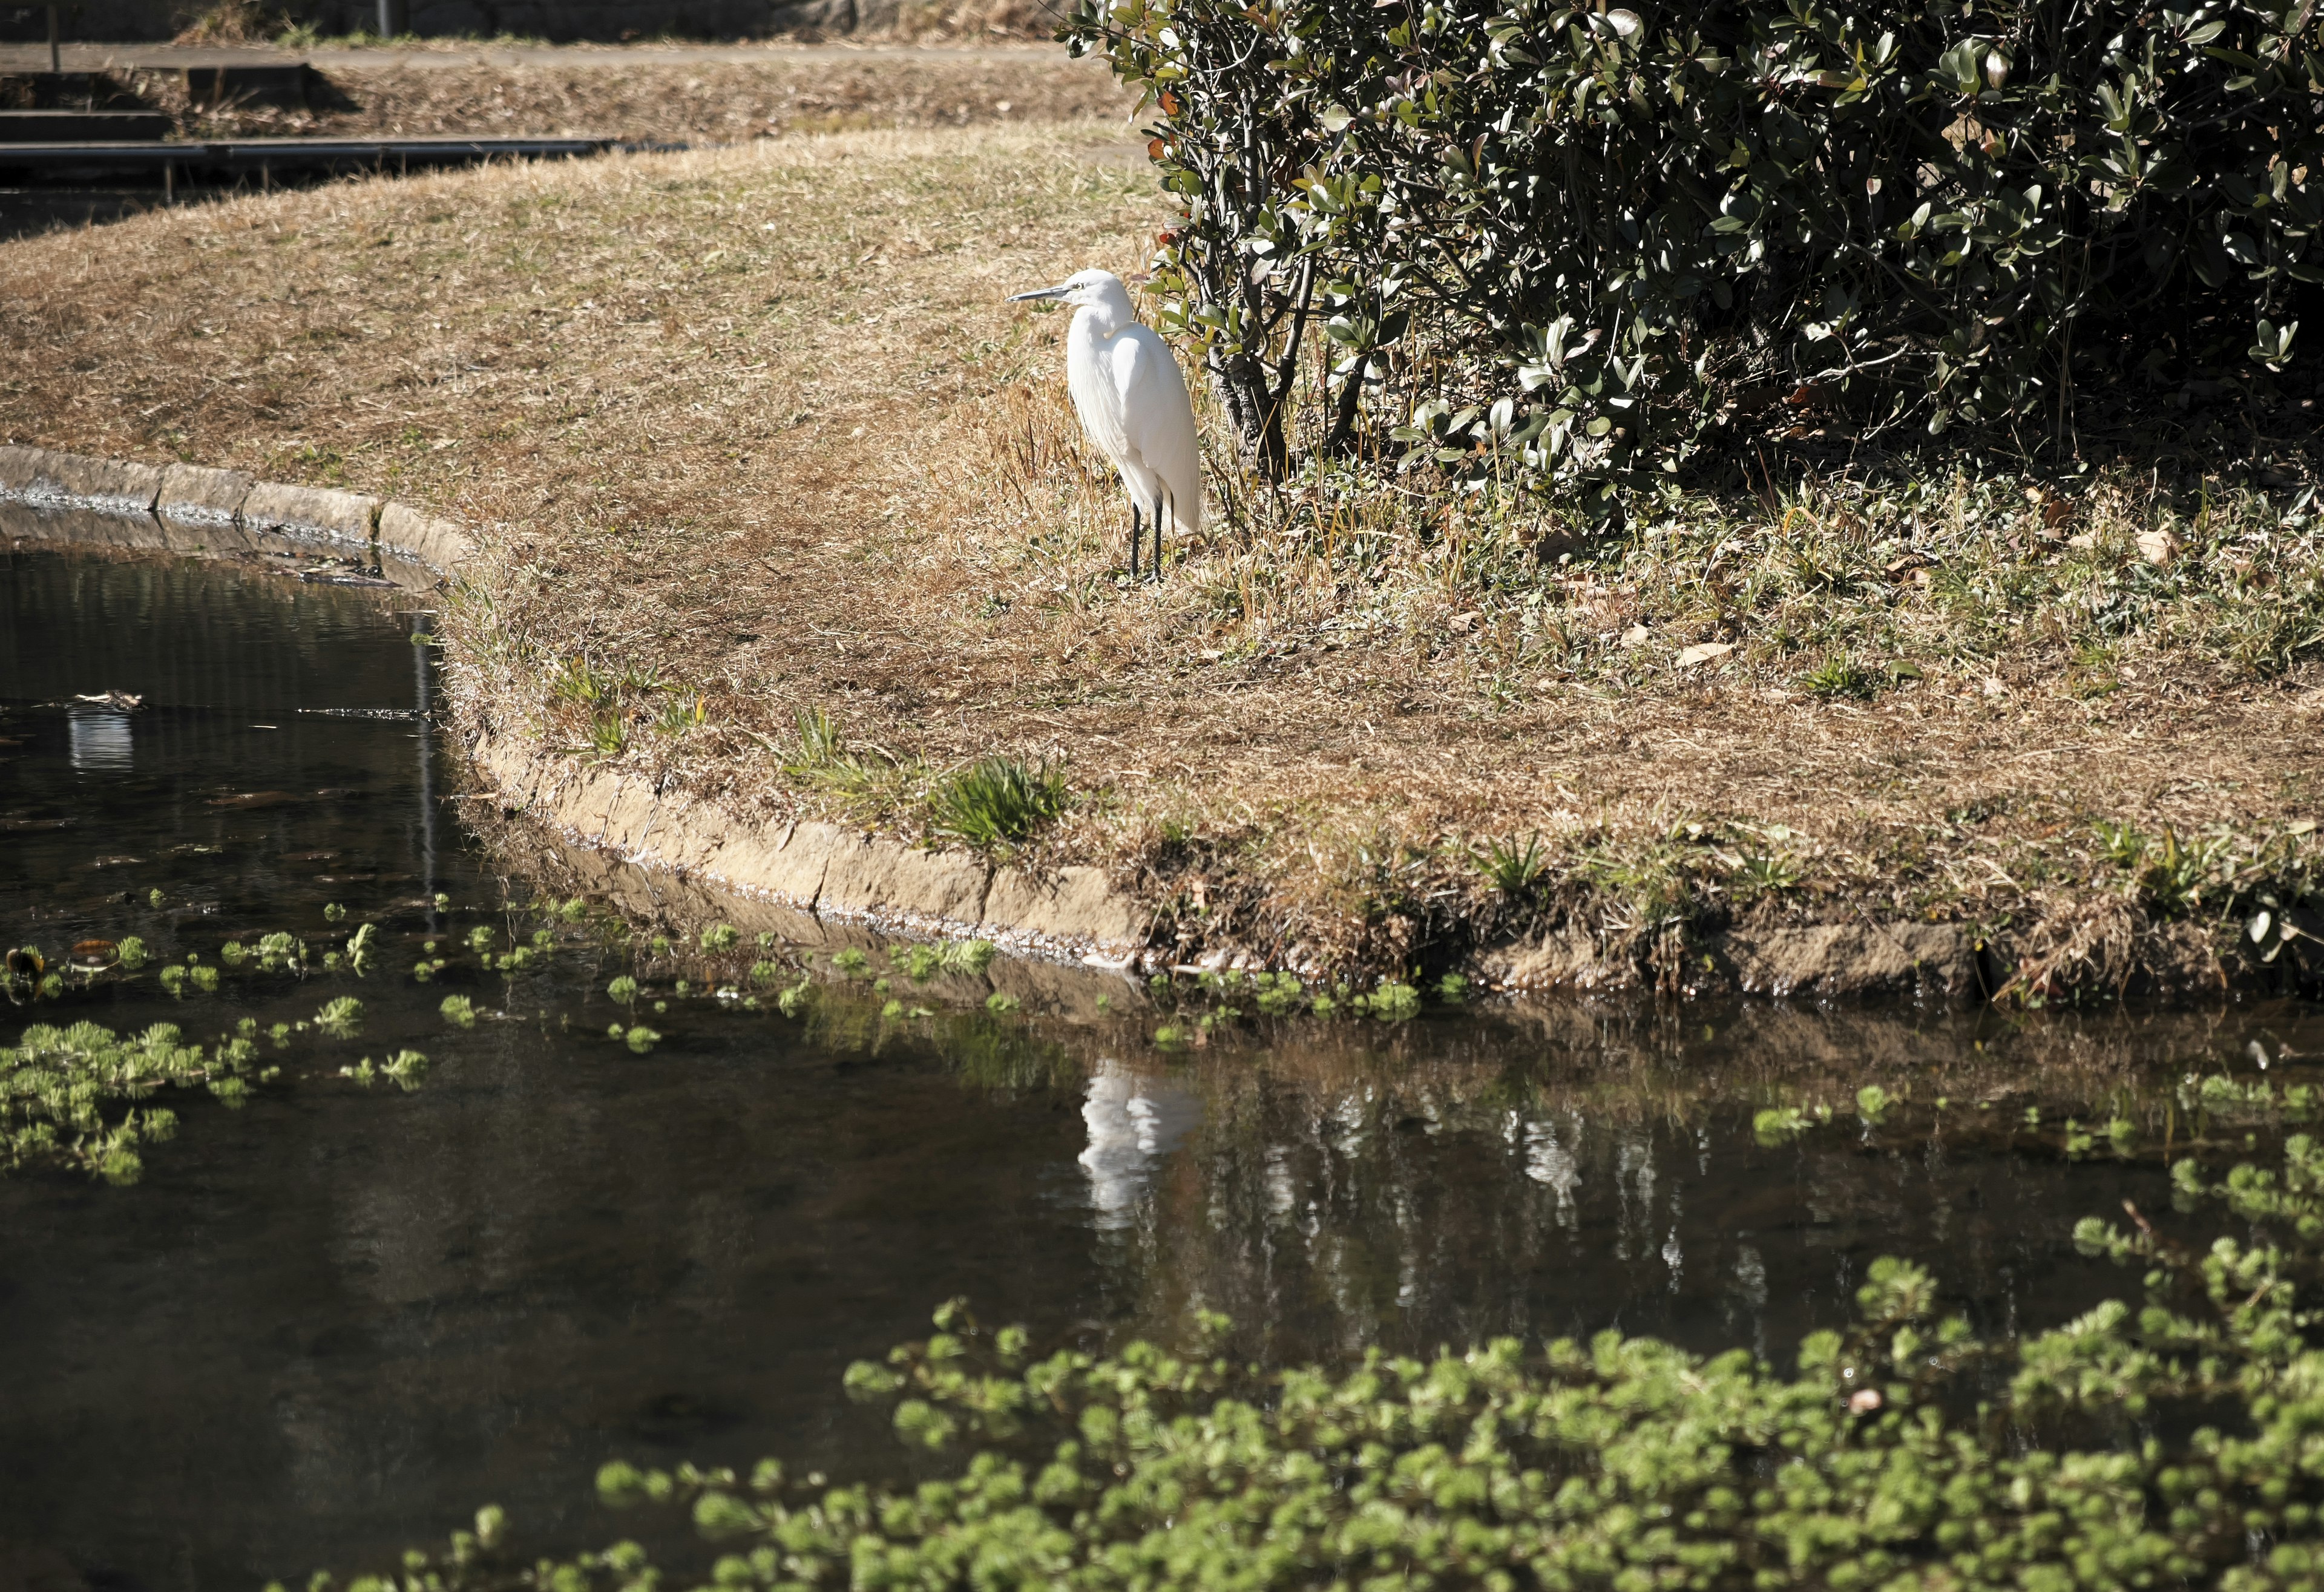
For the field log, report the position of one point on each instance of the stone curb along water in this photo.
(829, 872)
(820, 868)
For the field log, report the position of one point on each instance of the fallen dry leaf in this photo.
(1703, 652)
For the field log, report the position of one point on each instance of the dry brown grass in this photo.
(754, 425)
(601, 93)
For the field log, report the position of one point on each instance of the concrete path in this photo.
(96, 58)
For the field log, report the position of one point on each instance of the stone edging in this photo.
(830, 871)
(822, 868)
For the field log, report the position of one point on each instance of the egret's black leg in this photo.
(1158, 540)
(1137, 531)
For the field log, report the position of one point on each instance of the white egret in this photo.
(1131, 397)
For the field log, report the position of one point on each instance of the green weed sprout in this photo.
(1512, 870)
(459, 1010)
(996, 802)
(720, 938)
(342, 1017)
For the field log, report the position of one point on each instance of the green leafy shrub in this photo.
(1596, 241)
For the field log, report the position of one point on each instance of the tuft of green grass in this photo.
(997, 801)
(871, 780)
(1840, 676)
(1513, 871)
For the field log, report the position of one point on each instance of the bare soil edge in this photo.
(826, 872)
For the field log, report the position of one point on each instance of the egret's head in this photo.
(1084, 287)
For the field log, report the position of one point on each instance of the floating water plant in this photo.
(1392, 1002)
(1000, 1001)
(405, 1069)
(1905, 1451)
(56, 1084)
(341, 1017)
(459, 1012)
(720, 938)
(623, 990)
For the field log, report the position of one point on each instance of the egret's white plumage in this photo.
(1132, 401)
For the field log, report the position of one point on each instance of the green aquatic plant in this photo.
(1778, 1123)
(132, 951)
(1392, 1002)
(792, 1001)
(1001, 1002)
(851, 964)
(333, 912)
(641, 1038)
(624, 990)
(720, 938)
(459, 1010)
(59, 1088)
(405, 1069)
(341, 1017)
(1904, 1451)
(918, 963)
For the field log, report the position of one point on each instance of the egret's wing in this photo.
(1088, 377)
(1158, 419)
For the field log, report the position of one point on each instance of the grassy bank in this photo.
(752, 437)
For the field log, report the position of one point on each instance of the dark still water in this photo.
(332, 1320)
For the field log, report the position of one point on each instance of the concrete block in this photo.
(1854, 959)
(439, 544)
(310, 511)
(884, 875)
(785, 861)
(196, 495)
(1079, 903)
(72, 480)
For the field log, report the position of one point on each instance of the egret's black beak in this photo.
(1040, 293)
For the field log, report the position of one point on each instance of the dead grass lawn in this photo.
(599, 94)
(753, 427)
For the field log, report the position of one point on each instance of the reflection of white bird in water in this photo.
(1132, 400)
(1133, 1122)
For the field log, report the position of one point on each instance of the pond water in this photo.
(331, 1321)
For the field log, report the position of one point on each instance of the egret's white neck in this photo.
(1103, 316)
